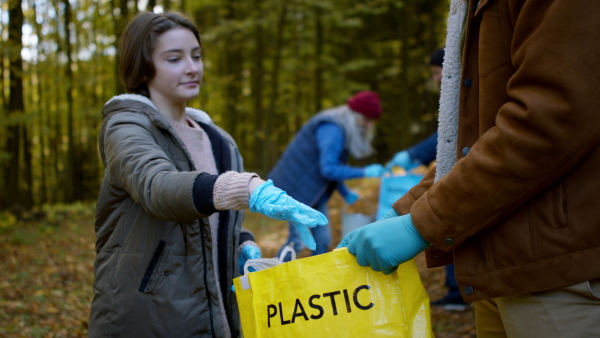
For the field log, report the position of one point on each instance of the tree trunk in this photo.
(55, 122)
(271, 151)
(258, 133)
(42, 127)
(43, 190)
(28, 164)
(119, 22)
(232, 74)
(3, 55)
(150, 5)
(318, 54)
(15, 107)
(3, 116)
(72, 169)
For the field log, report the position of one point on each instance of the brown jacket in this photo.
(520, 208)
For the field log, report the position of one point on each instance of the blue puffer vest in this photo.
(297, 171)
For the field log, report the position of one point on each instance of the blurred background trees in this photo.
(269, 66)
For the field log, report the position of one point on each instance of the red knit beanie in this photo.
(366, 103)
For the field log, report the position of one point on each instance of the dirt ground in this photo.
(47, 269)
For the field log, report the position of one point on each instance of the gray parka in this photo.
(160, 270)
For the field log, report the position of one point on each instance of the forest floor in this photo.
(47, 270)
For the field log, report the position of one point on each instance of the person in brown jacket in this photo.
(513, 198)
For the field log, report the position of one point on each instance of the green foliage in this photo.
(7, 221)
(269, 66)
(24, 236)
(41, 223)
(57, 214)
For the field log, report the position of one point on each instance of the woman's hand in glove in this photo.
(275, 203)
(248, 251)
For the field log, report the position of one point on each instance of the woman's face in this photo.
(179, 68)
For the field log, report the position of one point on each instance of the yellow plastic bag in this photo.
(330, 295)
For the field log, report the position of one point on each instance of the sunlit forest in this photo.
(270, 66)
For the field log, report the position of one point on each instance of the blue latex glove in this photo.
(275, 203)
(390, 214)
(402, 159)
(248, 252)
(351, 197)
(385, 244)
(374, 170)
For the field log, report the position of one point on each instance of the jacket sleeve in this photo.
(546, 127)
(404, 203)
(330, 140)
(138, 166)
(342, 189)
(424, 151)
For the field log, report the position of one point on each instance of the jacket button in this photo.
(468, 83)
(449, 242)
(436, 257)
(465, 151)
(166, 273)
(469, 290)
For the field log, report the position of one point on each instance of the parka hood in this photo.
(139, 104)
(125, 102)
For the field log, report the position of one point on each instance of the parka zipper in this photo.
(210, 309)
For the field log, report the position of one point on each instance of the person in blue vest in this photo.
(314, 164)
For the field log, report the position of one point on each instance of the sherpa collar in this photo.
(451, 72)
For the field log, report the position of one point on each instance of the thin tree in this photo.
(319, 41)
(42, 127)
(55, 136)
(120, 15)
(72, 161)
(232, 70)
(16, 106)
(270, 153)
(150, 5)
(4, 106)
(257, 88)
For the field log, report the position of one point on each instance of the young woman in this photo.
(169, 212)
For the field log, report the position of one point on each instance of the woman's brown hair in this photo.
(138, 42)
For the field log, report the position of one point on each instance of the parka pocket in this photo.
(479, 6)
(152, 274)
(549, 212)
(495, 35)
(594, 288)
(560, 205)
